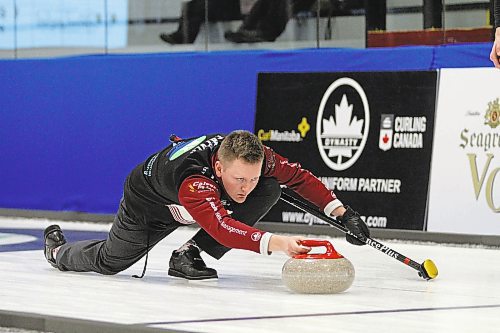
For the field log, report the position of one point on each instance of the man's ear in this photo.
(218, 168)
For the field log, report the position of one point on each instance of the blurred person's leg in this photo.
(224, 10)
(265, 17)
(258, 10)
(274, 22)
(192, 16)
(267, 20)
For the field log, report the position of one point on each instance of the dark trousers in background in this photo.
(130, 238)
(270, 17)
(193, 15)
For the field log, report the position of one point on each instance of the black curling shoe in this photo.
(54, 237)
(188, 264)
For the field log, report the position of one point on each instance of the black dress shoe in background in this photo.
(247, 36)
(179, 37)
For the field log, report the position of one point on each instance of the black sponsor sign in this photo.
(367, 136)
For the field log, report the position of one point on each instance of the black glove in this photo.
(353, 222)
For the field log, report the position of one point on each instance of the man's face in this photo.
(238, 177)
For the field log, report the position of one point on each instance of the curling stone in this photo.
(318, 273)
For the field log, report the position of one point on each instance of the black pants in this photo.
(193, 15)
(270, 17)
(130, 238)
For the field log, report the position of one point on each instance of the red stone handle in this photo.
(329, 254)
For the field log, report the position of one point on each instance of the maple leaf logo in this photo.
(341, 136)
(385, 139)
(346, 127)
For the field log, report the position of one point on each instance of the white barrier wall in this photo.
(63, 23)
(465, 172)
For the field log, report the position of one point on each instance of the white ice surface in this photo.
(386, 295)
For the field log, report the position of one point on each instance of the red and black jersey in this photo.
(180, 181)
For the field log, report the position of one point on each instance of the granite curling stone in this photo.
(323, 273)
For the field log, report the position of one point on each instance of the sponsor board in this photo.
(370, 139)
(465, 180)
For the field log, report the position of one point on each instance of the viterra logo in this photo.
(340, 134)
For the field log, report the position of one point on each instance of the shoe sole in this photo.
(173, 272)
(51, 229)
(46, 232)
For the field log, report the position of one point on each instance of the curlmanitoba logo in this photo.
(286, 136)
(342, 124)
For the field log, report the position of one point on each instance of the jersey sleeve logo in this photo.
(256, 236)
(201, 186)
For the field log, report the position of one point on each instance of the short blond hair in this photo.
(242, 145)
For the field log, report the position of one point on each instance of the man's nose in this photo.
(245, 187)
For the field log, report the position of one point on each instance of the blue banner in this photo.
(72, 128)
